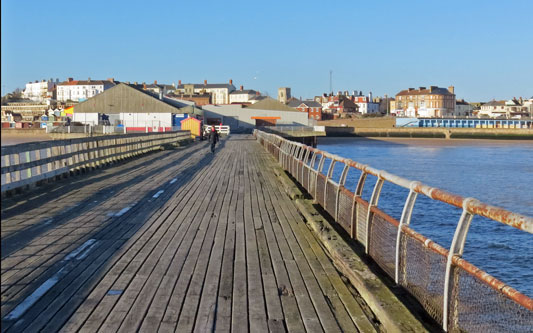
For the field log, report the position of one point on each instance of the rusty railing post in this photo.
(456, 249)
(318, 171)
(305, 158)
(311, 171)
(342, 181)
(357, 194)
(373, 203)
(404, 220)
(328, 177)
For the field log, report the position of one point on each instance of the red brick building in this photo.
(313, 109)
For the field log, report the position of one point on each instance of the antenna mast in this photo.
(330, 81)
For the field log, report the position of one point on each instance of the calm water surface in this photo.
(496, 172)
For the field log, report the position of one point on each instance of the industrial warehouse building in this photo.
(133, 107)
(243, 118)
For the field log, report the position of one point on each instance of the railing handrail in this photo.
(28, 163)
(477, 207)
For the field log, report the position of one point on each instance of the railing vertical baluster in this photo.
(357, 194)
(311, 171)
(456, 249)
(328, 177)
(404, 220)
(373, 203)
(318, 171)
(305, 158)
(342, 181)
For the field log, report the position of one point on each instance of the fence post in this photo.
(456, 249)
(328, 177)
(342, 180)
(305, 158)
(357, 194)
(373, 203)
(404, 220)
(318, 171)
(311, 170)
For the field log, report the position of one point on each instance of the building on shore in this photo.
(133, 107)
(242, 96)
(365, 104)
(220, 92)
(80, 90)
(244, 118)
(513, 108)
(425, 102)
(284, 94)
(41, 91)
(463, 109)
(312, 108)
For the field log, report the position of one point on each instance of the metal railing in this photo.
(458, 295)
(28, 163)
(224, 129)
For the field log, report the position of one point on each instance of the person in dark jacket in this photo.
(213, 138)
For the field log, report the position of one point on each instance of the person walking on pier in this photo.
(213, 138)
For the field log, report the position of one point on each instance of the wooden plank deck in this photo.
(180, 240)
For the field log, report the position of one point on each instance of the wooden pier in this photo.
(177, 240)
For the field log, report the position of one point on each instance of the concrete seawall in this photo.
(448, 133)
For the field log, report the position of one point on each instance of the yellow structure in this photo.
(192, 124)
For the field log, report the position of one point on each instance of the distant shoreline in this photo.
(425, 141)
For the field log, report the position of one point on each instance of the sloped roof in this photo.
(87, 83)
(247, 92)
(128, 98)
(270, 104)
(294, 103)
(312, 104)
(434, 91)
(208, 86)
(495, 103)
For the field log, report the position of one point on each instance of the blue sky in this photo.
(483, 48)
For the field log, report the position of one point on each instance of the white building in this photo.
(242, 96)
(504, 109)
(220, 92)
(78, 90)
(40, 91)
(366, 104)
(462, 108)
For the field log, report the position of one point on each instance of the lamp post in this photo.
(387, 101)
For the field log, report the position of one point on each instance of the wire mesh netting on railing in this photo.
(456, 294)
(478, 308)
(382, 240)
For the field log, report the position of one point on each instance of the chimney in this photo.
(370, 96)
(144, 85)
(205, 82)
(410, 89)
(230, 81)
(111, 79)
(179, 82)
(155, 81)
(451, 89)
(70, 79)
(257, 93)
(421, 88)
(135, 83)
(242, 88)
(89, 80)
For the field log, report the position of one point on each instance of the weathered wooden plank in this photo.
(207, 309)
(192, 299)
